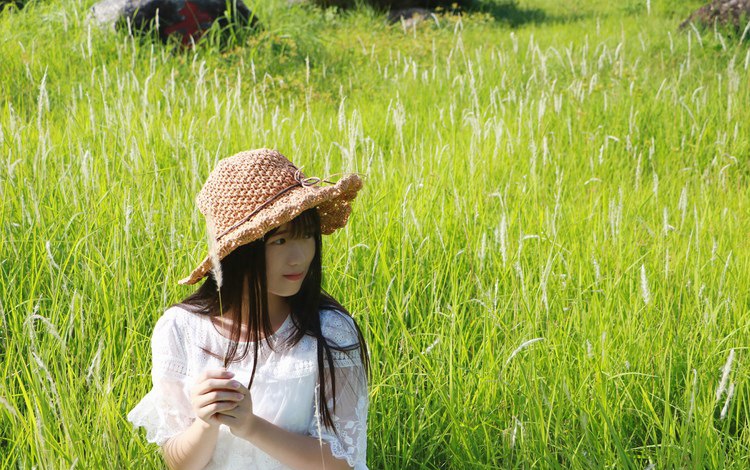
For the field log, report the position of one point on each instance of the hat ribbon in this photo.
(300, 180)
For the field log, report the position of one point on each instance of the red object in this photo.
(194, 23)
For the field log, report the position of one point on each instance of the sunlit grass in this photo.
(549, 259)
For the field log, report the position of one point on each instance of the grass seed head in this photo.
(645, 292)
(726, 370)
(212, 253)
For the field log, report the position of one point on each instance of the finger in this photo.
(216, 384)
(225, 419)
(206, 413)
(214, 374)
(217, 396)
(228, 414)
(242, 389)
(218, 407)
(217, 374)
(208, 375)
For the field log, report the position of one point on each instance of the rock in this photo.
(187, 19)
(734, 13)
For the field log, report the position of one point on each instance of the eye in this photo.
(307, 236)
(278, 241)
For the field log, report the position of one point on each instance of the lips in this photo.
(294, 277)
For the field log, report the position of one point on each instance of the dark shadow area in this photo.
(12, 4)
(506, 12)
(510, 13)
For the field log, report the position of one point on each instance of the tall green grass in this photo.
(549, 260)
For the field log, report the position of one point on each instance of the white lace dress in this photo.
(284, 390)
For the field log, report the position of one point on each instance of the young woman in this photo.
(259, 367)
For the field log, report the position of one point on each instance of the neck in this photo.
(278, 310)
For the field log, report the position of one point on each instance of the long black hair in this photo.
(244, 289)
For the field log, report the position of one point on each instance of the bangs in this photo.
(307, 223)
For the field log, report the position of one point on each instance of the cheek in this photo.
(310, 250)
(272, 256)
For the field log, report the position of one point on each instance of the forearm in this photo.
(294, 450)
(192, 449)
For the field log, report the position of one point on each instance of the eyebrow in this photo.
(280, 232)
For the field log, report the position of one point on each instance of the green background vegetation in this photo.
(550, 258)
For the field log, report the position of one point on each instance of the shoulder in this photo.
(338, 328)
(170, 330)
(173, 319)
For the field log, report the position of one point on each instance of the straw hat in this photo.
(252, 192)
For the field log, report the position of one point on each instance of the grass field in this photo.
(549, 260)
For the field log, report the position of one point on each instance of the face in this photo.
(288, 259)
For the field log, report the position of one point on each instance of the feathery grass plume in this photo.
(615, 215)
(212, 253)
(517, 425)
(597, 270)
(645, 293)
(215, 268)
(638, 172)
(725, 408)
(519, 272)
(583, 418)
(342, 114)
(51, 329)
(49, 255)
(429, 348)
(55, 395)
(95, 362)
(3, 325)
(42, 101)
(727, 369)
(9, 407)
(682, 205)
(714, 250)
(521, 348)
(128, 219)
(666, 228)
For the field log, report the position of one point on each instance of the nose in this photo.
(296, 254)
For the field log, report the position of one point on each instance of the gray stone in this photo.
(732, 13)
(187, 19)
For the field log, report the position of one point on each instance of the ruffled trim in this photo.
(161, 422)
(348, 439)
(338, 450)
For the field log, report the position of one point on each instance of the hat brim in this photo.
(332, 202)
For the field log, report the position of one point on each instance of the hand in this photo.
(240, 419)
(215, 392)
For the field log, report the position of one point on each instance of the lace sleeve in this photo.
(348, 439)
(165, 411)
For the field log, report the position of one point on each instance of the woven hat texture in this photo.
(252, 192)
